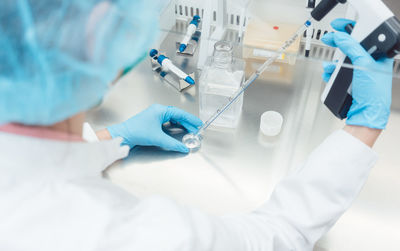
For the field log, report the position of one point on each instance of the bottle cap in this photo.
(271, 123)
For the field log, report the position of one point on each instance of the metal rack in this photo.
(230, 15)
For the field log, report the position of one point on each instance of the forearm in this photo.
(103, 135)
(366, 135)
(307, 203)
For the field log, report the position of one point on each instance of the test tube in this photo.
(168, 65)
(191, 29)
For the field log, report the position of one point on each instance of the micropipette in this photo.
(190, 138)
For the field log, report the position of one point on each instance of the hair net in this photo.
(57, 57)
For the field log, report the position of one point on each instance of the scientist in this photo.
(56, 60)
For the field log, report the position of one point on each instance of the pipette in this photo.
(194, 140)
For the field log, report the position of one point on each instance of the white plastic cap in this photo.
(271, 123)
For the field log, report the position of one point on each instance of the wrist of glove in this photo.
(146, 128)
(372, 83)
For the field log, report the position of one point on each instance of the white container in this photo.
(271, 123)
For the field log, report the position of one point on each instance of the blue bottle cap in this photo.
(182, 47)
(195, 20)
(161, 58)
(190, 80)
(153, 53)
(163, 74)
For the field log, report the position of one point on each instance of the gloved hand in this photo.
(145, 128)
(371, 88)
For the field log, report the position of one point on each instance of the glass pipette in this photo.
(191, 140)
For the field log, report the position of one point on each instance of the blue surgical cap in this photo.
(57, 57)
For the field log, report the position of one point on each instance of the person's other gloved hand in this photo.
(371, 88)
(145, 128)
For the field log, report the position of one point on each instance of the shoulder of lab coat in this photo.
(302, 208)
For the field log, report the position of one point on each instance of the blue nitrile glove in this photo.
(145, 128)
(371, 88)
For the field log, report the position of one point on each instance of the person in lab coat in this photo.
(56, 60)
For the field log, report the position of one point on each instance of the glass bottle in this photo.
(221, 77)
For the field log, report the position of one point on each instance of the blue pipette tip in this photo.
(307, 23)
(196, 17)
(190, 80)
(182, 47)
(153, 53)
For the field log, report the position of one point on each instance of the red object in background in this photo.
(276, 27)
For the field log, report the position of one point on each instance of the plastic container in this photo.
(271, 123)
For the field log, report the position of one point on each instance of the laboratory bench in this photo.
(235, 170)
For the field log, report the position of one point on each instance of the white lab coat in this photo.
(53, 197)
